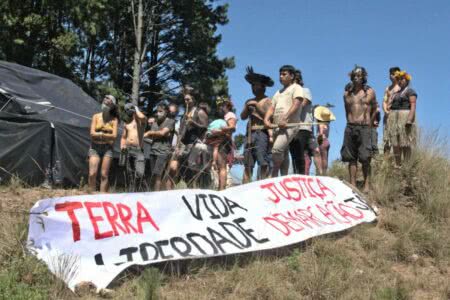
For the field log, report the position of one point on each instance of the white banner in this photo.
(95, 237)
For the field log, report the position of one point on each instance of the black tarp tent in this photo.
(44, 126)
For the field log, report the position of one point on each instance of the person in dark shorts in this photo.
(103, 134)
(257, 146)
(312, 152)
(360, 108)
(157, 145)
(132, 142)
(299, 145)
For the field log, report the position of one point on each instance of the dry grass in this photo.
(406, 255)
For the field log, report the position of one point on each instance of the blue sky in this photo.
(326, 38)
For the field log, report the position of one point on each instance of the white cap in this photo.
(307, 94)
(113, 99)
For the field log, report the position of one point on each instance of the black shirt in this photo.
(191, 133)
(400, 100)
(162, 145)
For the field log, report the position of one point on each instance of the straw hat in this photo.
(324, 114)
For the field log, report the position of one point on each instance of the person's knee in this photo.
(346, 156)
(277, 159)
(316, 151)
(93, 172)
(104, 176)
(140, 168)
(364, 160)
(262, 162)
(364, 157)
(173, 167)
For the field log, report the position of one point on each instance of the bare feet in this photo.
(366, 189)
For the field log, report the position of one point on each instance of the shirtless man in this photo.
(132, 141)
(257, 144)
(387, 101)
(360, 108)
(285, 108)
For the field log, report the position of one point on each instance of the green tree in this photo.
(38, 34)
(94, 43)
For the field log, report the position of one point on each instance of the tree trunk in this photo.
(153, 74)
(92, 60)
(87, 63)
(138, 30)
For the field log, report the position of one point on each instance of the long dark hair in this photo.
(350, 86)
(299, 77)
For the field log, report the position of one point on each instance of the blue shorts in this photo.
(258, 150)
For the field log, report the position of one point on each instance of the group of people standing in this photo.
(160, 150)
(363, 117)
(284, 125)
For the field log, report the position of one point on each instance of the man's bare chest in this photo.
(359, 98)
(131, 126)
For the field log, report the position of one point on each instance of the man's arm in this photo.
(163, 132)
(373, 105)
(141, 118)
(305, 102)
(298, 95)
(246, 111)
(292, 110)
(346, 105)
(268, 117)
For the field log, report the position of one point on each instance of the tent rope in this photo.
(53, 106)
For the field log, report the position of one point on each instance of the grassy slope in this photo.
(406, 255)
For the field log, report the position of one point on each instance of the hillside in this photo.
(405, 255)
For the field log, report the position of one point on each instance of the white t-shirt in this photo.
(306, 114)
(283, 100)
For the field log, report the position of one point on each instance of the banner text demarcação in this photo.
(95, 237)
